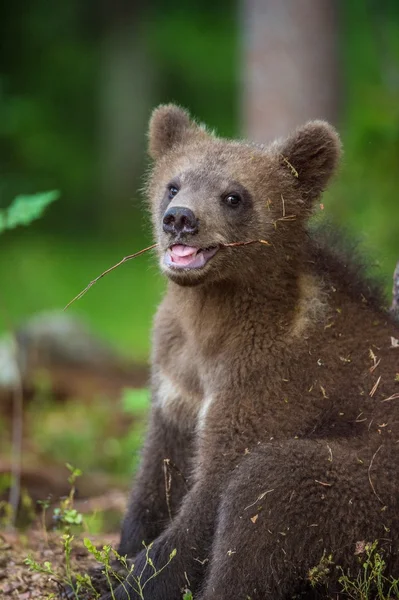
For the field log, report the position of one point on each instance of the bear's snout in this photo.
(179, 219)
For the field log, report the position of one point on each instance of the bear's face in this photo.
(207, 192)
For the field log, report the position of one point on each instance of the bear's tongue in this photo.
(180, 256)
(183, 255)
(182, 250)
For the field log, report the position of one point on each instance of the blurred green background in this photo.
(78, 81)
(77, 84)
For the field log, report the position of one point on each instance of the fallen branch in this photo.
(130, 256)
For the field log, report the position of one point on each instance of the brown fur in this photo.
(273, 381)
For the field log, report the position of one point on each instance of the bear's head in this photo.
(206, 192)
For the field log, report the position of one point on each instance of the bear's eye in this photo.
(232, 200)
(172, 191)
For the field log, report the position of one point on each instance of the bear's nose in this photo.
(180, 220)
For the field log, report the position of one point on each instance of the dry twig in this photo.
(130, 256)
(168, 484)
(374, 389)
(369, 473)
(125, 259)
(393, 397)
(323, 483)
(259, 498)
(290, 166)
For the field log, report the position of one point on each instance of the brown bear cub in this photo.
(274, 431)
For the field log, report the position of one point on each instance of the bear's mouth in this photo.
(180, 256)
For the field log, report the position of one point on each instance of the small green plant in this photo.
(45, 505)
(106, 556)
(66, 516)
(77, 583)
(371, 582)
(318, 575)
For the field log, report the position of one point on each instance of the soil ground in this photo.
(17, 582)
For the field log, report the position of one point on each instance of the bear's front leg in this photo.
(177, 559)
(188, 538)
(160, 484)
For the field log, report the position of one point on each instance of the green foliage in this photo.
(371, 583)
(6, 514)
(136, 401)
(25, 209)
(33, 565)
(76, 582)
(109, 440)
(66, 517)
(26, 504)
(318, 575)
(107, 555)
(115, 569)
(75, 473)
(215, 56)
(364, 197)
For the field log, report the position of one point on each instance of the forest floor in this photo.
(18, 581)
(82, 424)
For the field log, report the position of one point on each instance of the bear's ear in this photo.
(169, 125)
(311, 155)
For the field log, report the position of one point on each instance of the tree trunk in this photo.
(125, 97)
(290, 66)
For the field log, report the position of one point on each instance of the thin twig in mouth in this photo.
(125, 259)
(231, 244)
(130, 256)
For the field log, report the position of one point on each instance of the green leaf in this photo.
(89, 545)
(25, 209)
(73, 517)
(48, 566)
(92, 549)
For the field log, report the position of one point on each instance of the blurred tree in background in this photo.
(78, 82)
(290, 51)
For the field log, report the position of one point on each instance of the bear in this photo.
(273, 439)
